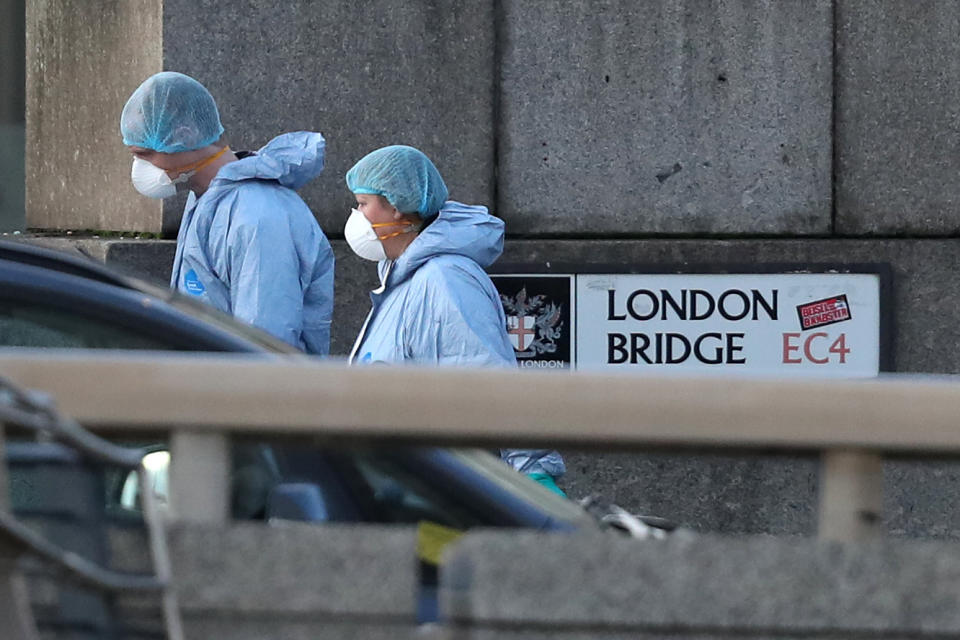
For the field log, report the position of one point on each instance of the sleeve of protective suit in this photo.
(451, 319)
(265, 287)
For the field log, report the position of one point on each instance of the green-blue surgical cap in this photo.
(404, 176)
(169, 113)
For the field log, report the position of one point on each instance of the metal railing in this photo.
(202, 400)
(34, 412)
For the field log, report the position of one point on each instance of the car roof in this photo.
(66, 266)
(85, 267)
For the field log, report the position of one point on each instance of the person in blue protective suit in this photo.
(436, 304)
(248, 244)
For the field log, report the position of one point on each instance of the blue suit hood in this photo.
(460, 229)
(292, 159)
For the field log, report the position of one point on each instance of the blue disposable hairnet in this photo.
(170, 112)
(404, 176)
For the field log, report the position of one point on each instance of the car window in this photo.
(398, 496)
(30, 324)
(359, 486)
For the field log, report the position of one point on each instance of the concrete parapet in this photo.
(291, 580)
(527, 585)
(297, 568)
(897, 137)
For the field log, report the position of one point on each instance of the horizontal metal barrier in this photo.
(202, 399)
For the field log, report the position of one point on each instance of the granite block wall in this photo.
(897, 117)
(795, 118)
(623, 117)
(365, 74)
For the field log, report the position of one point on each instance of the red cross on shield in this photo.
(521, 331)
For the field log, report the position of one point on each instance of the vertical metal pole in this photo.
(200, 477)
(156, 530)
(851, 496)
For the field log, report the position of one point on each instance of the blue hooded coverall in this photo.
(438, 306)
(250, 246)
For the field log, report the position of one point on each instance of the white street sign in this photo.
(825, 324)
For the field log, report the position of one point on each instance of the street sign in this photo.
(823, 324)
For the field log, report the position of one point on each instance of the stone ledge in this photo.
(707, 584)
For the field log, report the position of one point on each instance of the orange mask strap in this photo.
(379, 225)
(196, 166)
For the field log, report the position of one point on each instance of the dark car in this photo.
(50, 299)
(54, 299)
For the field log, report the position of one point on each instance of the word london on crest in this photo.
(711, 348)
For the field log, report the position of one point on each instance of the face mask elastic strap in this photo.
(196, 166)
(379, 225)
(395, 234)
(410, 228)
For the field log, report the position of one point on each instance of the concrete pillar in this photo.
(84, 59)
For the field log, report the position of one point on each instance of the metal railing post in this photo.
(200, 477)
(851, 496)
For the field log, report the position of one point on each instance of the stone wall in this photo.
(796, 118)
(248, 581)
(534, 587)
(897, 118)
(623, 117)
(293, 580)
(365, 74)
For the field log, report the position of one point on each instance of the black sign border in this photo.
(884, 270)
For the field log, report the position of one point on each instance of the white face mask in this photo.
(153, 181)
(362, 237)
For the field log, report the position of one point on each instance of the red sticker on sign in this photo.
(820, 313)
